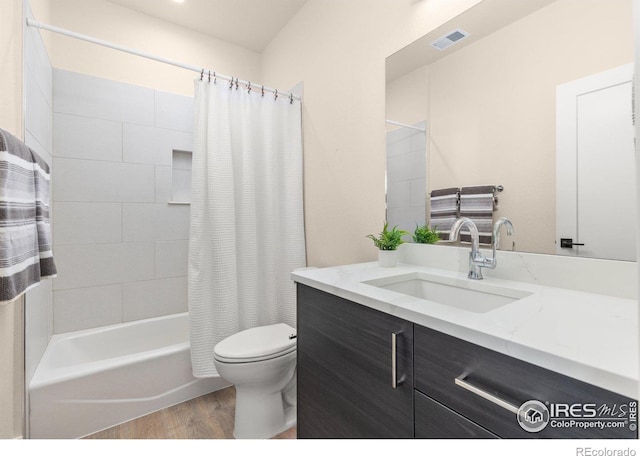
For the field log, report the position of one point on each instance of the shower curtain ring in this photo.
(275, 97)
(236, 83)
(249, 87)
(209, 76)
(263, 91)
(214, 78)
(231, 84)
(290, 98)
(202, 74)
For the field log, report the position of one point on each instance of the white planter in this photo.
(388, 258)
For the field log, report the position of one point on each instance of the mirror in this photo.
(490, 107)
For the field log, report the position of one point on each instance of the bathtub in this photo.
(94, 379)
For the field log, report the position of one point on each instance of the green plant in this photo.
(425, 235)
(388, 239)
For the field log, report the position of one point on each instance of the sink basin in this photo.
(473, 296)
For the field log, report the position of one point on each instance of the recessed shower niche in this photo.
(181, 176)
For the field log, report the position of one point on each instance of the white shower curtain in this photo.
(247, 225)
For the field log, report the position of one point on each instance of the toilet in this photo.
(261, 364)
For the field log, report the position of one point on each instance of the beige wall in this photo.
(492, 106)
(407, 97)
(110, 22)
(11, 389)
(338, 49)
(11, 64)
(11, 347)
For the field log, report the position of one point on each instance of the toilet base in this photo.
(260, 416)
(265, 391)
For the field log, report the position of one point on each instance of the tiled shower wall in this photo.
(407, 177)
(120, 247)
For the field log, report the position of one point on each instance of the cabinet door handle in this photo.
(394, 360)
(463, 383)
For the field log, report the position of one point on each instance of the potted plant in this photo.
(387, 242)
(425, 235)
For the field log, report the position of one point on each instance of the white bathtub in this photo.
(94, 379)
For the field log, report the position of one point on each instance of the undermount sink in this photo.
(473, 296)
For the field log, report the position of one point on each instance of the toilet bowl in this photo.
(261, 364)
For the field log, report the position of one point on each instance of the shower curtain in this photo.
(247, 225)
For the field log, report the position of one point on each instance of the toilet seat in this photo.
(256, 344)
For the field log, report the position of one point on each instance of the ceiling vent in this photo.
(449, 39)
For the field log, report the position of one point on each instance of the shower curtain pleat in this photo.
(247, 222)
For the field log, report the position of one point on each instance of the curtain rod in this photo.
(405, 126)
(202, 71)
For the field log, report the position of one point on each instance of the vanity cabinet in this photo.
(488, 387)
(435, 421)
(347, 364)
(445, 387)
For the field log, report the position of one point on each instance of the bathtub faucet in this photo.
(476, 260)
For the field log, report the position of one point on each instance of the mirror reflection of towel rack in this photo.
(496, 189)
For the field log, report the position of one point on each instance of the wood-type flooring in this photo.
(206, 417)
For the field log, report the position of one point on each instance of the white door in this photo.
(596, 167)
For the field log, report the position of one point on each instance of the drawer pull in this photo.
(461, 382)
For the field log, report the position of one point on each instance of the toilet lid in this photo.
(256, 343)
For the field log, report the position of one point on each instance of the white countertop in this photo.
(587, 336)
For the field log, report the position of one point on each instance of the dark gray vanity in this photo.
(363, 373)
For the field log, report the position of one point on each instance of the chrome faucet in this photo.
(476, 260)
(496, 235)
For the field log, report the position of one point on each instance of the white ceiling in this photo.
(251, 24)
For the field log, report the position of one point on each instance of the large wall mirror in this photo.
(530, 95)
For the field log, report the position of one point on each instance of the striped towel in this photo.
(444, 210)
(25, 246)
(477, 203)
